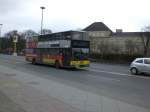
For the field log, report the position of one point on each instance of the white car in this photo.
(140, 65)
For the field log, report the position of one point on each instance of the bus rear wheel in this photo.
(33, 61)
(57, 65)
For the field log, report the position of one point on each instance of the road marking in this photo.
(102, 71)
(117, 73)
(107, 78)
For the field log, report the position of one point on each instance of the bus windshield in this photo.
(80, 53)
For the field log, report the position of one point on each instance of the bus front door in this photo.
(67, 57)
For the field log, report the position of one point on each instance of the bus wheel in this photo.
(33, 61)
(57, 65)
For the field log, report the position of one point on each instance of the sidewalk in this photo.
(7, 105)
(17, 97)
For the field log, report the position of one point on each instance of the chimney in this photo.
(119, 30)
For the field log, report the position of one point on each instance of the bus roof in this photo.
(59, 35)
(70, 31)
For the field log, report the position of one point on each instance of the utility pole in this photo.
(42, 20)
(0, 37)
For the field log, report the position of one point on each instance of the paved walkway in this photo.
(7, 105)
(35, 94)
(17, 97)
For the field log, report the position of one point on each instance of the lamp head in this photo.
(42, 7)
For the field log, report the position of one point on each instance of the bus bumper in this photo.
(78, 64)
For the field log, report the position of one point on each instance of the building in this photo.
(104, 41)
(98, 29)
(95, 32)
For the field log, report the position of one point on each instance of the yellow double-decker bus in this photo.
(63, 49)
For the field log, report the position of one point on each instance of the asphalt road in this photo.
(108, 80)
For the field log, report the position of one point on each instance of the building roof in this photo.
(126, 34)
(131, 34)
(97, 26)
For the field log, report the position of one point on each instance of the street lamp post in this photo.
(15, 40)
(0, 28)
(42, 20)
(0, 37)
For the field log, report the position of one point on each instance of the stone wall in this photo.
(116, 45)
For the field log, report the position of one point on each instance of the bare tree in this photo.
(145, 38)
(28, 33)
(130, 47)
(115, 49)
(103, 47)
(46, 31)
(11, 34)
(8, 44)
(146, 29)
(79, 29)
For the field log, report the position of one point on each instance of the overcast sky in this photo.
(61, 15)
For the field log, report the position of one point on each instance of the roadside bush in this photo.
(115, 58)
